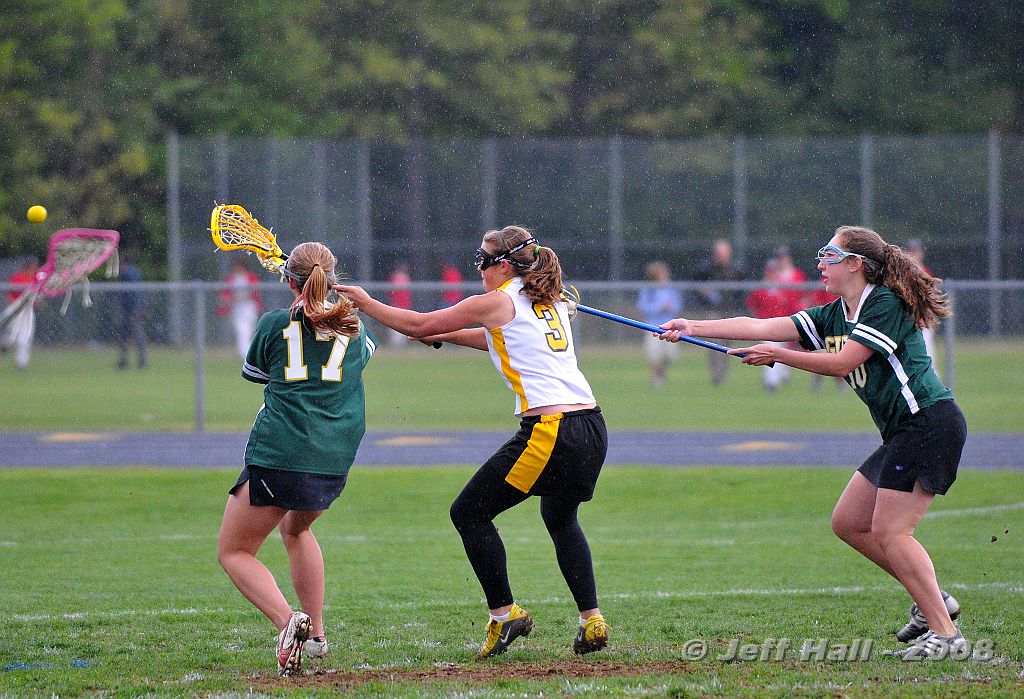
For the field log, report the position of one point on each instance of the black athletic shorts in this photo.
(926, 448)
(559, 455)
(292, 490)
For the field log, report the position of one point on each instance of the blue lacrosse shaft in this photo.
(653, 328)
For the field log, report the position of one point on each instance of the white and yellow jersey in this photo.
(534, 353)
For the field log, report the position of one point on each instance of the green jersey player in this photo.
(311, 358)
(871, 335)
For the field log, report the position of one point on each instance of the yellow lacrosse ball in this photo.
(36, 214)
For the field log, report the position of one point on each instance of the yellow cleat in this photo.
(501, 633)
(592, 635)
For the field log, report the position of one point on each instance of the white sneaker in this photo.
(932, 646)
(918, 625)
(290, 641)
(315, 648)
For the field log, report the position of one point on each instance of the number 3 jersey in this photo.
(534, 353)
(897, 380)
(314, 410)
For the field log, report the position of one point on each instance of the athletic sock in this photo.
(501, 617)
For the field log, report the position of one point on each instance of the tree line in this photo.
(89, 88)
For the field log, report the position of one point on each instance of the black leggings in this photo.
(473, 513)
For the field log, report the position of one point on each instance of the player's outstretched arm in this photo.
(851, 356)
(489, 310)
(471, 337)
(780, 329)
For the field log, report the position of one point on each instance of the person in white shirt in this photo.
(522, 321)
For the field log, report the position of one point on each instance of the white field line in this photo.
(967, 512)
(1012, 587)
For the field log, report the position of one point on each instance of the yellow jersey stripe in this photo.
(510, 374)
(535, 457)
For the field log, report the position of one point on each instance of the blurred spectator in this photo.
(659, 304)
(21, 328)
(401, 297)
(789, 273)
(452, 278)
(133, 310)
(720, 304)
(771, 302)
(243, 302)
(915, 248)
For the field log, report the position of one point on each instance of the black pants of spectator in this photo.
(473, 513)
(132, 332)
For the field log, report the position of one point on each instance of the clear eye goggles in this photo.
(833, 254)
(484, 259)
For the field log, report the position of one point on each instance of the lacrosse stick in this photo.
(73, 254)
(234, 228)
(572, 296)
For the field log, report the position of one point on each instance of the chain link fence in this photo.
(609, 206)
(100, 327)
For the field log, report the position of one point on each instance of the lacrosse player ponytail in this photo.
(890, 265)
(310, 267)
(537, 265)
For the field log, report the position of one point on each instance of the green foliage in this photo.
(89, 88)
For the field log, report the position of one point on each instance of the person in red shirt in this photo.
(789, 273)
(401, 297)
(770, 302)
(243, 302)
(21, 329)
(452, 278)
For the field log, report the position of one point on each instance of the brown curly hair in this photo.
(537, 265)
(889, 265)
(310, 267)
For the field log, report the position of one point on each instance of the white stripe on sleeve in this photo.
(879, 338)
(809, 329)
(255, 372)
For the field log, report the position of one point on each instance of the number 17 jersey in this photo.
(314, 409)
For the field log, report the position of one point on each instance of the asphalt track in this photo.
(422, 448)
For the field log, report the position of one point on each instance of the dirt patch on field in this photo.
(452, 672)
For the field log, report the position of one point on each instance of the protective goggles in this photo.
(484, 259)
(833, 255)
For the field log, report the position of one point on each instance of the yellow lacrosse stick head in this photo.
(234, 228)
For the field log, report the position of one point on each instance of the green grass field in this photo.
(419, 388)
(109, 586)
(109, 583)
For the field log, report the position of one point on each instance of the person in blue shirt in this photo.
(659, 303)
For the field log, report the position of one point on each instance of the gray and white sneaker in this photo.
(918, 625)
(932, 646)
(315, 648)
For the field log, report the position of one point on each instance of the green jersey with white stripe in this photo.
(898, 379)
(314, 410)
